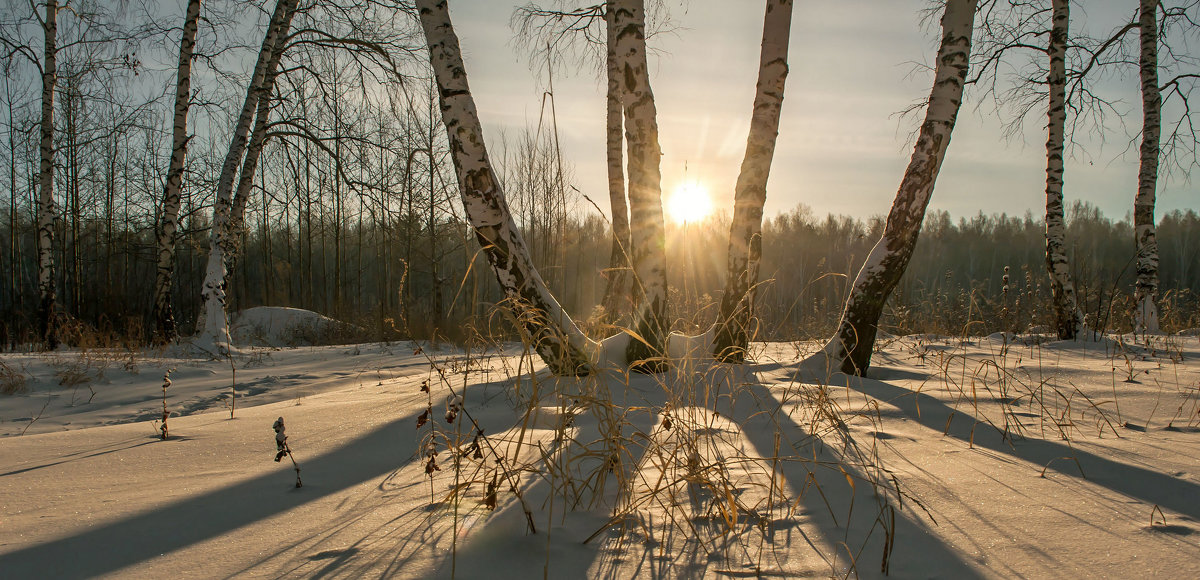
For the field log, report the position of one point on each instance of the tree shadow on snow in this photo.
(1143, 484)
(109, 547)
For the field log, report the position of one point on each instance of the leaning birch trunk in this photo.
(750, 193)
(164, 315)
(1068, 321)
(850, 348)
(615, 292)
(560, 343)
(1146, 289)
(214, 328)
(49, 332)
(647, 230)
(258, 138)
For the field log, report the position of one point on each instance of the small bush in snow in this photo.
(165, 414)
(12, 382)
(283, 450)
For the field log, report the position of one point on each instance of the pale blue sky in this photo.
(841, 148)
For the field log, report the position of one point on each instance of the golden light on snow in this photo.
(689, 203)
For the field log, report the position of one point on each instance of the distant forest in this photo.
(395, 273)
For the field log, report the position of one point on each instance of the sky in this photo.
(842, 147)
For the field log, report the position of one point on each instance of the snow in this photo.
(1013, 456)
(279, 326)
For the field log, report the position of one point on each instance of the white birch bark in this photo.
(618, 262)
(45, 211)
(168, 227)
(750, 192)
(254, 147)
(213, 332)
(1068, 320)
(1146, 288)
(647, 229)
(850, 348)
(557, 339)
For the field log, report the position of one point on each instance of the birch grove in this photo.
(164, 314)
(1068, 320)
(750, 193)
(647, 229)
(330, 184)
(1146, 288)
(213, 328)
(850, 348)
(555, 336)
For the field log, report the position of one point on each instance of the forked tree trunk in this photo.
(560, 343)
(1068, 320)
(164, 315)
(750, 193)
(647, 230)
(1145, 291)
(46, 290)
(214, 328)
(254, 147)
(850, 348)
(616, 291)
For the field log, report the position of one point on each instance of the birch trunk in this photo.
(560, 343)
(750, 192)
(647, 230)
(1146, 289)
(1068, 320)
(214, 328)
(615, 294)
(254, 147)
(46, 290)
(850, 348)
(164, 315)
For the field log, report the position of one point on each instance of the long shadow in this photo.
(569, 558)
(1136, 482)
(125, 445)
(846, 517)
(113, 546)
(854, 532)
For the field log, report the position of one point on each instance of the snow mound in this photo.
(277, 326)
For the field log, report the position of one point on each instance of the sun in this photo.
(689, 203)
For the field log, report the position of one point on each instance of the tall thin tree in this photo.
(168, 226)
(750, 193)
(46, 214)
(556, 337)
(647, 227)
(850, 348)
(1145, 291)
(617, 287)
(214, 328)
(1068, 320)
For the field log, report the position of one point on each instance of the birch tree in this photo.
(552, 31)
(647, 228)
(849, 350)
(45, 210)
(164, 315)
(1068, 320)
(617, 286)
(555, 336)
(1146, 288)
(750, 192)
(214, 328)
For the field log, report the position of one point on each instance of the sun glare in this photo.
(689, 203)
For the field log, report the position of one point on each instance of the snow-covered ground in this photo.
(990, 457)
